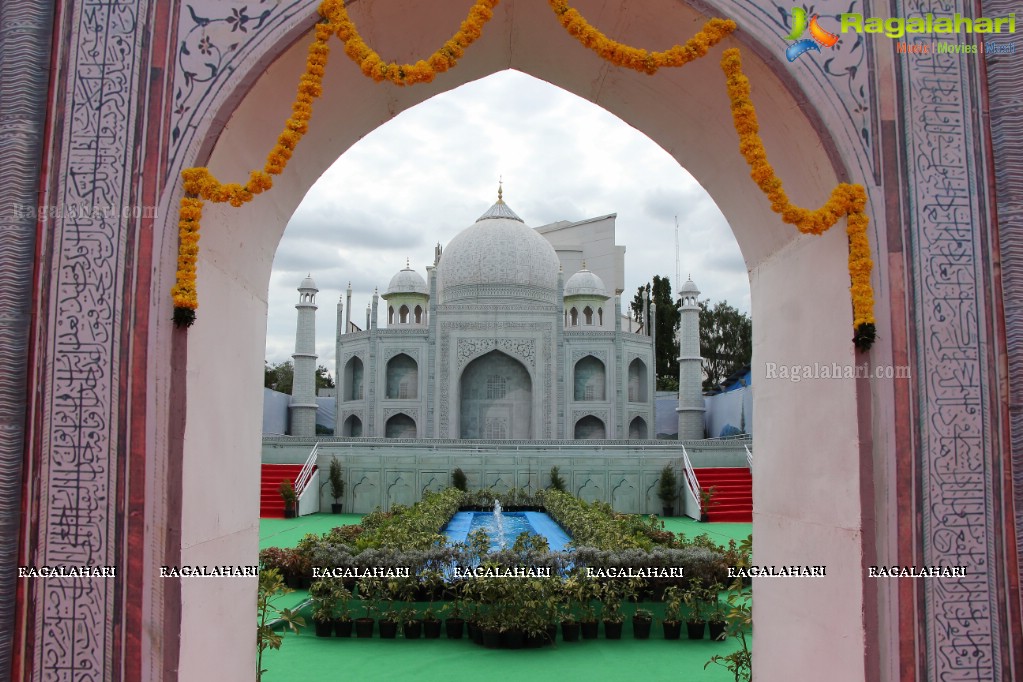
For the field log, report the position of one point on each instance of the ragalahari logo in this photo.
(800, 26)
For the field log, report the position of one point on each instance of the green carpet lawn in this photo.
(287, 532)
(720, 533)
(308, 657)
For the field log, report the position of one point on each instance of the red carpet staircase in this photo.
(271, 504)
(733, 493)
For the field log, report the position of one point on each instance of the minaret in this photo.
(348, 309)
(303, 388)
(690, 365)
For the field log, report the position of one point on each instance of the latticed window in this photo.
(497, 387)
(495, 427)
(590, 393)
(403, 391)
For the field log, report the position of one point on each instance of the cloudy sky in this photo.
(431, 171)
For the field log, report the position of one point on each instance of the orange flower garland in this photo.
(620, 54)
(846, 200)
(200, 184)
(422, 71)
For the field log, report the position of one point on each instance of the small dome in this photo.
(689, 288)
(308, 283)
(498, 257)
(407, 281)
(585, 283)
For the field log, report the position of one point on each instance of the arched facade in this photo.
(402, 378)
(933, 144)
(495, 399)
(637, 429)
(590, 379)
(353, 380)
(400, 426)
(590, 428)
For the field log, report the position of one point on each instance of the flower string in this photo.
(845, 200)
(424, 70)
(200, 184)
(620, 54)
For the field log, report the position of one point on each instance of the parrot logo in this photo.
(800, 26)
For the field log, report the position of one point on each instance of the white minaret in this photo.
(690, 365)
(303, 388)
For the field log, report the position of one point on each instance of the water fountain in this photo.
(499, 523)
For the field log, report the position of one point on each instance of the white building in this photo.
(496, 343)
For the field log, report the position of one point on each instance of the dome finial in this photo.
(584, 263)
(407, 266)
(500, 189)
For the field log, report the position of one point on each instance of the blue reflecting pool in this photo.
(504, 531)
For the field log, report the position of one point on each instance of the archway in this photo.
(637, 429)
(798, 281)
(402, 378)
(637, 381)
(590, 379)
(400, 426)
(590, 428)
(495, 398)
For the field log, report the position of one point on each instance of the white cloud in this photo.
(431, 171)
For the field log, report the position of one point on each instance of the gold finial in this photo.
(500, 188)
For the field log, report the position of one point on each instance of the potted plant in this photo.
(342, 617)
(611, 609)
(672, 612)
(642, 619)
(458, 479)
(337, 486)
(287, 491)
(411, 625)
(564, 595)
(321, 593)
(583, 590)
(695, 598)
(715, 614)
(706, 502)
(740, 619)
(368, 590)
(390, 615)
(454, 624)
(667, 490)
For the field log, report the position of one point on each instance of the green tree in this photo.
(323, 378)
(665, 324)
(726, 341)
(279, 377)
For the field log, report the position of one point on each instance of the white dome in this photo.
(406, 281)
(689, 288)
(308, 283)
(498, 257)
(585, 283)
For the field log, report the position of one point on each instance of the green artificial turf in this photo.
(720, 533)
(287, 532)
(308, 657)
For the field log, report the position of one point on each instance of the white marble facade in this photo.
(514, 333)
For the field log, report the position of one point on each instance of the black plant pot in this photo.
(363, 628)
(343, 628)
(289, 513)
(551, 634)
(590, 629)
(336, 508)
(413, 629)
(388, 629)
(431, 629)
(324, 629)
(695, 630)
(491, 638)
(641, 627)
(704, 517)
(717, 630)
(672, 629)
(454, 627)
(512, 639)
(570, 631)
(667, 512)
(612, 630)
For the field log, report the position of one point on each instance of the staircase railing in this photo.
(749, 457)
(692, 484)
(306, 474)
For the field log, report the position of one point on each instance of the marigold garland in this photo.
(638, 59)
(846, 200)
(424, 70)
